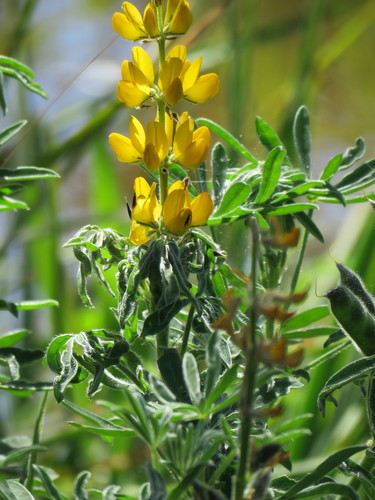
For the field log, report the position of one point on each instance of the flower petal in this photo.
(143, 62)
(156, 134)
(131, 95)
(202, 207)
(137, 134)
(140, 234)
(181, 20)
(122, 26)
(151, 158)
(176, 204)
(150, 21)
(178, 51)
(207, 86)
(123, 148)
(141, 187)
(192, 74)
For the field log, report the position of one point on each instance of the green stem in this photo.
(163, 177)
(36, 439)
(125, 370)
(185, 338)
(301, 257)
(251, 365)
(368, 463)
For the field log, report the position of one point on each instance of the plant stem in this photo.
(301, 257)
(36, 439)
(185, 338)
(251, 365)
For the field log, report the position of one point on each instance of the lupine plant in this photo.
(204, 353)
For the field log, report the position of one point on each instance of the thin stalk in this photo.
(185, 338)
(125, 370)
(251, 365)
(301, 258)
(368, 464)
(36, 439)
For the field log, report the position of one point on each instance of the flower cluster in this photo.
(169, 138)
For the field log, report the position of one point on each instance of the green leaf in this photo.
(79, 485)
(25, 80)
(306, 318)
(353, 154)
(302, 139)
(3, 104)
(229, 138)
(324, 468)
(291, 208)
(17, 65)
(108, 431)
(271, 174)
(235, 196)
(329, 488)
(13, 490)
(30, 305)
(170, 366)
(191, 377)
(183, 485)
(22, 356)
(27, 174)
(157, 486)
(49, 487)
(158, 321)
(309, 225)
(350, 468)
(7, 204)
(219, 162)
(10, 338)
(332, 167)
(278, 386)
(371, 405)
(21, 453)
(225, 381)
(213, 362)
(69, 368)
(9, 132)
(299, 190)
(355, 370)
(309, 333)
(268, 137)
(358, 177)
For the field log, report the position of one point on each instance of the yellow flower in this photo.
(178, 17)
(146, 211)
(190, 146)
(133, 26)
(150, 147)
(180, 79)
(137, 79)
(179, 213)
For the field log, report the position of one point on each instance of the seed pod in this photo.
(352, 281)
(356, 320)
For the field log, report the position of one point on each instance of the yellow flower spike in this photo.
(180, 214)
(137, 79)
(190, 146)
(180, 79)
(129, 24)
(178, 17)
(133, 26)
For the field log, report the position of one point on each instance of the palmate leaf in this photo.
(233, 198)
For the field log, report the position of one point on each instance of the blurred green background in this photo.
(271, 57)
